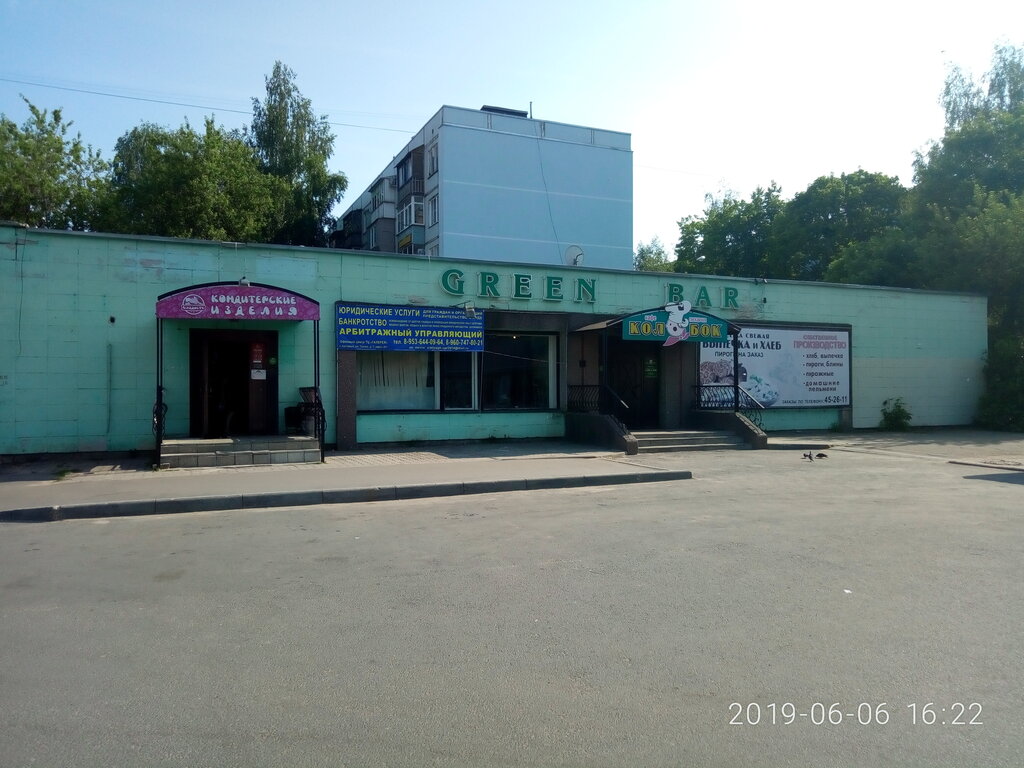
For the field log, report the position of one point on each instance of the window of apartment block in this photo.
(434, 251)
(404, 171)
(432, 211)
(410, 214)
(377, 196)
(518, 371)
(432, 159)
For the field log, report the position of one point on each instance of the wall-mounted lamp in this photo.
(468, 308)
(244, 280)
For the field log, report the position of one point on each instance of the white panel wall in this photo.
(511, 197)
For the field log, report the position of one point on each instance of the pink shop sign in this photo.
(231, 301)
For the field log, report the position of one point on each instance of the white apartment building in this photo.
(496, 185)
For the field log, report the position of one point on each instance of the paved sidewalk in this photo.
(53, 490)
(973, 447)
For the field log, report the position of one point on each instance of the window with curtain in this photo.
(515, 370)
(395, 381)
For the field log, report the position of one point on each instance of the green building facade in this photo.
(409, 348)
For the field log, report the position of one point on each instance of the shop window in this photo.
(518, 371)
(395, 381)
(458, 379)
(514, 371)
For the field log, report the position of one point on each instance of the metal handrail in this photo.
(321, 424)
(613, 405)
(598, 398)
(159, 421)
(718, 397)
(584, 398)
(312, 402)
(749, 401)
(609, 392)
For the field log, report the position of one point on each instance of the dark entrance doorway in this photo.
(232, 382)
(634, 373)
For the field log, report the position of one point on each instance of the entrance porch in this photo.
(182, 453)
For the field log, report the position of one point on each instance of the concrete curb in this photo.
(798, 446)
(1014, 467)
(130, 508)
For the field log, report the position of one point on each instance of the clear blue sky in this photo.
(718, 96)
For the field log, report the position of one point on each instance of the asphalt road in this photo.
(621, 626)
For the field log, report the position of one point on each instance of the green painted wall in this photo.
(78, 331)
(397, 427)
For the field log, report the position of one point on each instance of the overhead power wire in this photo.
(182, 103)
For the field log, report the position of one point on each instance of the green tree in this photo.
(47, 178)
(960, 227)
(986, 150)
(294, 145)
(980, 155)
(733, 237)
(968, 218)
(888, 258)
(651, 257)
(181, 183)
(832, 214)
(964, 100)
(982, 251)
(1002, 404)
(983, 144)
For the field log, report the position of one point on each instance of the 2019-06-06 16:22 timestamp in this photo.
(864, 713)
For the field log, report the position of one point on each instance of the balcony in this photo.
(411, 187)
(409, 215)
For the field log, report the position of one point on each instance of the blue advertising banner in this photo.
(408, 329)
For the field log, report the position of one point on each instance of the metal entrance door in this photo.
(634, 374)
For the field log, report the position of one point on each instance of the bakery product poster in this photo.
(784, 367)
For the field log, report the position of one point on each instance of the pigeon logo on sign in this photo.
(193, 304)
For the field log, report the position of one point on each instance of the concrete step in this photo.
(687, 440)
(737, 446)
(239, 451)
